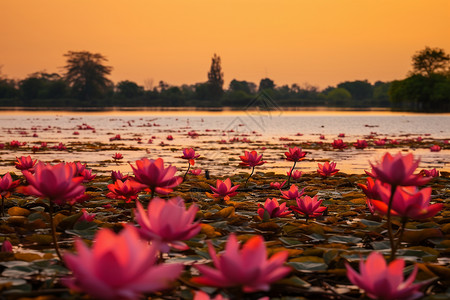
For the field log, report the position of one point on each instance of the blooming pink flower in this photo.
(6, 246)
(322, 137)
(295, 175)
(277, 185)
(398, 170)
(310, 207)
(360, 144)
(292, 193)
(86, 217)
(189, 153)
(116, 175)
(327, 169)
(25, 163)
(371, 193)
(430, 173)
(380, 142)
(58, 183)
(195, 172)
(251, 159)
(435, 148)
(87, 175)
(393, 142)
(125, 190)
(169, 137)
(7, 185)
(274, 209)
(381, 281)
(153, 174)
(295, 154)
(117, 156)
(338, 144)
(118, 267)
(167, 222)
(408, 202)
(224, 189)
(15, 144)
(60, 147)
(341, 135)
(248, 267)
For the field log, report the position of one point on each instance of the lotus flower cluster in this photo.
(360, 144)
(339, 144)
(381, 281)
(167, 223)
(310, 207)
(125, 190)
(247, 267)
(118, 267)
(273, 209)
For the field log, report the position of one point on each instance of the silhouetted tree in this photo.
(129, 89)
(359, 89)
(215, 78)
(266, 84)
(87, 74)
(244, 86)
(430, 60)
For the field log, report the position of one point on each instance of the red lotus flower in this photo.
(118, 267)
(189, 153)
(59, 183)
(116, 175)
(86, 217)
(310, 207)
(361, 144)
(430, 173)
(277, 185)
(380, 142)
(398, 170)
(292, 193)
(251, 159)
(295, 175)
(248, 267)
(339, 144)
(169, 137)
(25, 163)
(224, 189)
(274, 209)
(327, 169)
(87, 175)
(7, 185)
(371, 193)
(195, 172)
(117, 156)
(381, 281)
(153, 174)
(435, 148)
(6, 247)
(167, 223)
(341, 135)
(322, 137)
(295, 154)
(127, 190)
(408, 202)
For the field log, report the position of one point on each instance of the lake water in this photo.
(210, 135)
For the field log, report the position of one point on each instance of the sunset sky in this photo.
(320, 42)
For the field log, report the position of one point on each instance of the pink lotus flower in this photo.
(393, 142)
(295, 175)
(167, 223)
(292, 193)
(310, 207)
(338, 144)
(295, 154)
(371, 193)
(118, 267)
(169, 137)
(117, 156)
(58, 183)
(430, 173)
(322, 137)
(116, 175)
(381, 281)
(277, 185)
(341, 135)
(274, 209)
(6, 247)
(408, 202)
(153, 174)
(60, 147)
(86, 217)
(189, 153)
(360, 144)
(398, 170)
(327, 169)
(16, 144)
(248, 267)
(224, 189)
(435, 148)
(380, 142)
(251, 159)
(7, 185)
(25, 163)
(195, 172)
(125, 190)
(87, 175)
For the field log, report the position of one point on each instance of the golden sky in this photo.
(320, 42)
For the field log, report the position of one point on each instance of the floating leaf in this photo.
(308, 266)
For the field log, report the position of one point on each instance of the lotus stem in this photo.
(389, 223)
(253, 169)
(3, 206)
(290, 174)
(52, 225)
(185, 174)
(400, 233)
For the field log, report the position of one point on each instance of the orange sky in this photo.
(320, 42)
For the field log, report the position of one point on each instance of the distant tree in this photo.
(266, 84)
(162, 86)
(87, 74)
(339, 96)
(41, 85)
(430, 60)
(7, 86)
(359, 89)
(215, 78)
(244, 86)
(129, 89)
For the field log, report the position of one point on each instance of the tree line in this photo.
(85, 83)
